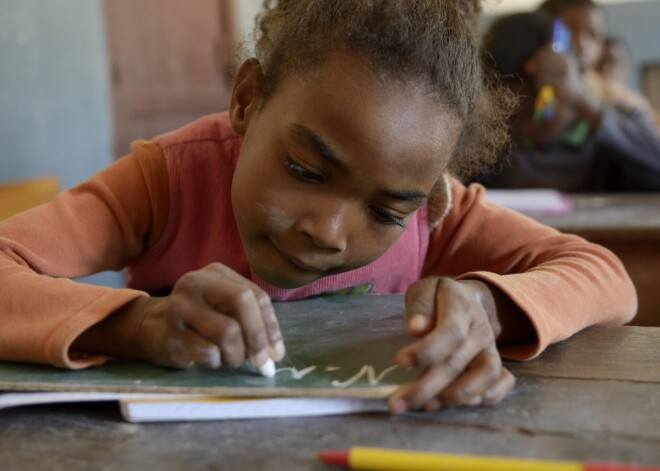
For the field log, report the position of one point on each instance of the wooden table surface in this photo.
(19, 196)
(594, 396)
(629, 225)
(623, 215)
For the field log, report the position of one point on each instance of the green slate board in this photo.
(343, 337)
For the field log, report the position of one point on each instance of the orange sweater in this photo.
(561, 282)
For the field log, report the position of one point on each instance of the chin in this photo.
(288, 280)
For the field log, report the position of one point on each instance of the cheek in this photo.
(254, 186)
(259, 205)
(269, 205)
(274, 215)
(370, 243)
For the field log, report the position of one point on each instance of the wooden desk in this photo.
(596, 395)
(16, 197)
(629, 225)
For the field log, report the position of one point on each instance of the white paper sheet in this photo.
(33, 398)
(531, 201)
(140, 407)
(160, 410)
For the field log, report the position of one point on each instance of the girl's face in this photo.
(332, 167)
(587, 25)
(614, 64)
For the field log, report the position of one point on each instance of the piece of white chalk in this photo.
(267, 369)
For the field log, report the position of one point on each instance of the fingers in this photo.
(442, 373)
(480, 384)
(251, 306)
(187, 348)
(458, 353)
(173, 337)
(502, 387)
(214, 316)
(481, 375)
(420, 306)
(450, 343)
(223, 332)
(460, 331)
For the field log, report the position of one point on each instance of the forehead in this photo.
(369, 119)
(584, 17)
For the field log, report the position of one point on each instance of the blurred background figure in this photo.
(587, 23)
(613, 69)
(614, 63)
(586, 144)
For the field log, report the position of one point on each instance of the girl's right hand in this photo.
(213, 317)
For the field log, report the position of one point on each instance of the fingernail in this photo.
(398, 406)
(418, 323)
(432, 405)
(405, 361)
(212, 358)
(475, 401)
(259, 358)
(489, 395)
(279, 350)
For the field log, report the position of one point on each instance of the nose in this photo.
(584, 43)
(326, 225)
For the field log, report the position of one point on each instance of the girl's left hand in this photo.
(457, 348)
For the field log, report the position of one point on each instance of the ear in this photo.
(531, 66)
(245, 99)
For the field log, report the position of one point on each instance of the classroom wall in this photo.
(504, 6)
(637, 24)
(54, 102)
(54, 93)
(55, 107)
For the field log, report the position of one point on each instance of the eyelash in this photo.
(301, 172)
(381, 215)
(386, 217)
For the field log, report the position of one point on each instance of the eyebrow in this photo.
(324, 150)
(319, 145)
(415, 197)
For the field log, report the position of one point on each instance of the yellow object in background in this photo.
(544, 106)
(19, 196)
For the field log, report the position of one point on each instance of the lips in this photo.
(298, 262)
(303, 265)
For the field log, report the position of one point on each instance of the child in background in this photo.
(613, 70)
(614, 63)
(587, 22)
(331, 170)
(589, 144)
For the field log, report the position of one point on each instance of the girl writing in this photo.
(330, 170)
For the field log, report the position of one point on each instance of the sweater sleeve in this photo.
(104, 223)
(561, 282)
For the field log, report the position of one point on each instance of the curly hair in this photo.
(513, 39)
(426, 43)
